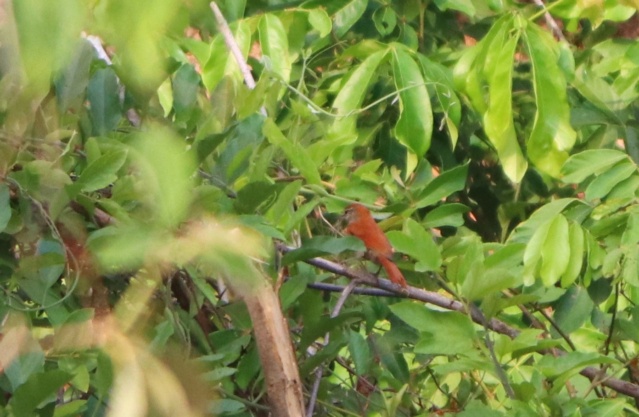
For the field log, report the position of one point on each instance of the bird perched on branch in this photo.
(362, 225)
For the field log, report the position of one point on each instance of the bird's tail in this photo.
(394, 274)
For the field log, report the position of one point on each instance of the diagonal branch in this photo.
(592, 373)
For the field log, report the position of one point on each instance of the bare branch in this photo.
(592, 373)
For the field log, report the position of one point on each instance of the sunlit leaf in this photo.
(590, 162)
(443, 186)
(167, 171)
(221, 62)
(446, 215)
(577, 246)
(441, 81)
(555, 251)
(346, 17)
(351, 94)
(294, 151)
(275, 45)
(498, 119)
(417, 242)
(320, 21)
(102, 172)
(458, 328)
(490, 281)
(415, 125)
(552, 135)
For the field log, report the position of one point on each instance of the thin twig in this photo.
(320, 370)
(554, 27)
(231, 43)
(376, 292)
(225, 30)
(559, 330)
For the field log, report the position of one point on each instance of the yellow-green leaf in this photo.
(552, 135)
(555, 251)
(294, 152)
(274, 44)
(498, 119)
(577, 246)
(415, 125)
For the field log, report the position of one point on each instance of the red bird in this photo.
(362, 225)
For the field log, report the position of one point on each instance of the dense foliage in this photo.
(146, 190)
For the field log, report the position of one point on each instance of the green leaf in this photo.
(38, 391)
(392, 359)
(440, 80)
(204, 287)
(167, 171)
(555, 251)
(360, 352)
(73, 81)
(490, 281)
(351, 95)
(43, 35)
(608, 407)
(23, 367)
(442, 186)
(102, 172)
(572, 310)
(322, 245)
(248, 368)
(552, 135)
(577, 245)
(507, 256)
(219, 373)
(284, 202)
(552, 366)
(524, 231)
(220, 62)
(346, 17)
(225, 406)
(457, 327)
(5, 207)
(606, 181)
(415, 125)
(446, 215)
(591, 162)
(532, 255)
(104, 101)
(185, 87)
(630, 235)
(464, 6)
(295, 152)
(257, 197)
(415, 241)
(320, 21)
(470, 71)
(498, 119)
(274, 44)
(385, 20)
(241, 146)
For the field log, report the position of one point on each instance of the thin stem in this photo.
(320, 370)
